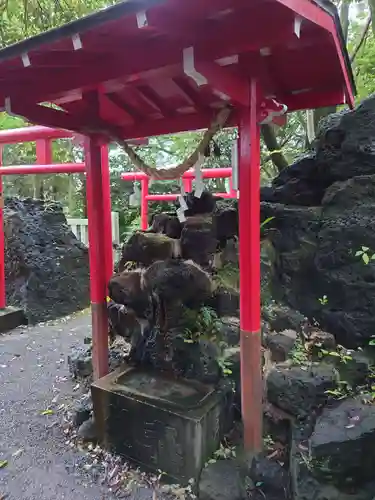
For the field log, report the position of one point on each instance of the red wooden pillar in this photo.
(43, 152)
(144, 204)
(107, 213)
(249, 240)
(2, 242)
(97, 252)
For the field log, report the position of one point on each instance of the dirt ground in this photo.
(36, 461)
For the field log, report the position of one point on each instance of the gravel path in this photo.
(34, 377)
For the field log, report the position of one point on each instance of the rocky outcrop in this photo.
(336, 459)
(324, 212)
(46, 267)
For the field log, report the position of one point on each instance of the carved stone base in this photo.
(159, 422)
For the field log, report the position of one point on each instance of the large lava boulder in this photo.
(46, 267)
(324, 212)
(335, 459)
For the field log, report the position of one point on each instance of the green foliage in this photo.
(299, 355)
(323, 300)
(365, 255)
(228, 276)
(204, 324)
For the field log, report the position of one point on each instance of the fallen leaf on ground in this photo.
(17, 453)
(3, 463)
(47, 412)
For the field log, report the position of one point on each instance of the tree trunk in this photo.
(371, 4)
(83, 194)
(270, 139)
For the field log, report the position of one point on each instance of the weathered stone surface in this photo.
(82, 409)
(296, 390)
(281, 344)
(316, 340)
(198, 240)
(306, 487)
(299, 184)
(80, 361)
(277, 423)
(230, 330)
(271, 476)
(225, 301)
(356, 370)
(342, 446)
(88, 430)
(323, 208)
(163, 422)
(221, 481)
(281, 317)
(46, 267)
(345, 145)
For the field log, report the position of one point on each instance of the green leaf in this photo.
(365, 249)
(3, 463)
(365, 258)
(357, 254)
(333, 393)
(372, 342)
(266, 221)
(47, 412)
(334, 354)
(258, 484)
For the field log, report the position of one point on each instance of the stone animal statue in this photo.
(166, 224)
(147, 247)
(181, 281)
(132, 310)
(225, 223)
(197, 206)
(198, 240)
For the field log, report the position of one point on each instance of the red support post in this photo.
(144, 203)
(249, 241)
(97, 251)
(2, 241)
(107, 213)
(188, 185)
(43, 152)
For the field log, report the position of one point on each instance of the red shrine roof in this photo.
(149, 67)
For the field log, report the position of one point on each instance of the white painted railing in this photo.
(80, 229)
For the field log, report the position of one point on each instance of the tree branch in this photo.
(361, 40)
(270, 139)
(344, 18)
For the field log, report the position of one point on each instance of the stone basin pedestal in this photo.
(161, 423)
(10, 318)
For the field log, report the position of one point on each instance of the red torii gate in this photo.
(150, 67)
(43, 137)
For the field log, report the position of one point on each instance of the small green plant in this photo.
(268, 442)
(225, 365)
(323, 300)
(342, 354)
(265, 222)
(342, 391)
(205, 325)
(225, 452)
(372, 341)
(365, 255)
(298, 354)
